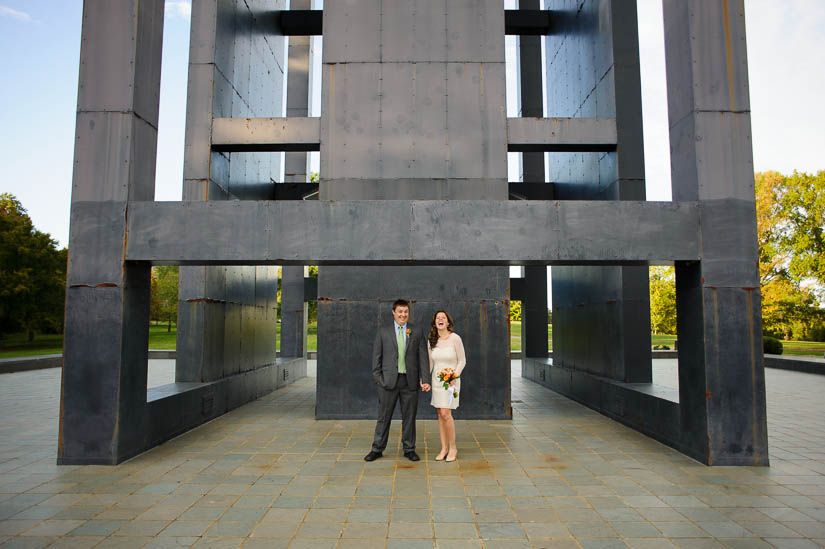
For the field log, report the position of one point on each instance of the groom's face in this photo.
(400, 314)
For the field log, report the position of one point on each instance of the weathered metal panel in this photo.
(723, 142)
(144, 160)
(570, 134)
(351, 122)
(297, 95)
(717, 300)
(352, 31)
(721, 75)
(729, 256)
(416, 189)
(293, 312)
(103, 391)
(476, 120)
(414, 31)
(198, 134)
(414, 283)
(240, 133)
(202, 32)
(107, 71)
(103, 148)
(97, 237)
(534, 312)
(391, 232)
(148, 41)
(475, 31)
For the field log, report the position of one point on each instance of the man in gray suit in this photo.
(400, 365)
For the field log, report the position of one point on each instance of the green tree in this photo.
(803, 211)
(312, 306)
(515, 310)
(163, 304)
(663, 300)
(790, 215)
(32, 274)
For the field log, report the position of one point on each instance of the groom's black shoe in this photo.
(411, 455)
(372, 456)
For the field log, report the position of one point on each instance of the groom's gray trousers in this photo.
(386, 406)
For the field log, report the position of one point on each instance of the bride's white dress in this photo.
(448, 353)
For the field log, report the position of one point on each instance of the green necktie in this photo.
(402, 365)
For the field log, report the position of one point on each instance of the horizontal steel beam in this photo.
(295, 191)
(266, 134)
(398, 232)
(301, 22)
(527, 22)
(561, 134)
(531, 191)
(516, 22)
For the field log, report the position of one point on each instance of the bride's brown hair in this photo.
(433, 337)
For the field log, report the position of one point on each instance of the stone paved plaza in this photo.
(268, 474)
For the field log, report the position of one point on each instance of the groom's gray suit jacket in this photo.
(385, 357)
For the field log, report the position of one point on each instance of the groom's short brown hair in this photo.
(400, 303)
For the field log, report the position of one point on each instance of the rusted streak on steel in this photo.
(101, 285)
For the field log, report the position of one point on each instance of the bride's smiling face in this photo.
(441, 321)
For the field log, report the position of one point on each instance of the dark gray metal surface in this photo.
(534, 300)
(721, 374)
(601, 315)
(413, 139)
(397, 231)
(107, 301)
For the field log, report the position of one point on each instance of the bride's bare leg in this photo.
(442, 431)
(449, 425)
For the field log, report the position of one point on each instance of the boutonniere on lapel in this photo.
(409, 331)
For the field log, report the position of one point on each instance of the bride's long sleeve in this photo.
(461, 360)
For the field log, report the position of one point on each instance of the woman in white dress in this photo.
(446, 351)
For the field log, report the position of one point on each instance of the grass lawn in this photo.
(662, 339)
(803, 348)
(159, 338)
(17, 345)
(515, 335)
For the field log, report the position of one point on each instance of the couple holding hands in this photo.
(403, 361)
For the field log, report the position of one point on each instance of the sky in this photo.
(39, 59)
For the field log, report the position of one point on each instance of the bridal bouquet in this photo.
(446, 376)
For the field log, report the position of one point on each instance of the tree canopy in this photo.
(163, 304)
(32, 274)
(790, 214)
(662, 300)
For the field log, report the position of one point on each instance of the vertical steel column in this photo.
(630, 172)
(293, 312)
(534, 306)
(413, 109)
(227, 315)
(293, 307)
(721, 373)
(296, 168)
(103, 392)
(601, 315)
(200, 335)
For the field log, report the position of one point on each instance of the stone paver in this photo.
(268, 474)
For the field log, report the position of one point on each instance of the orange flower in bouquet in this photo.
(446, 376)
